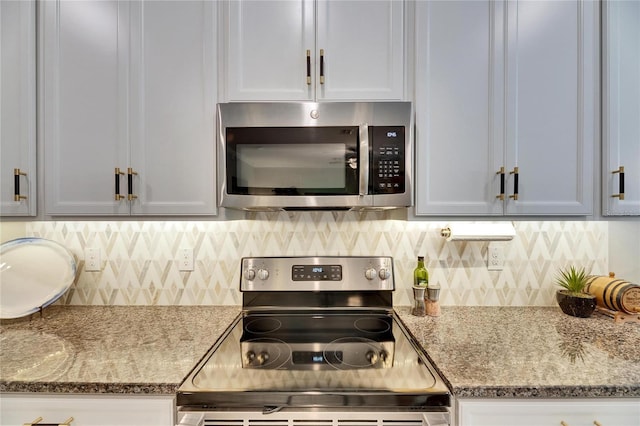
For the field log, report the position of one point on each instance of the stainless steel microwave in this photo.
(329, 155)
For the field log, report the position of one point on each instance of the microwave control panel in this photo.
(388, 159)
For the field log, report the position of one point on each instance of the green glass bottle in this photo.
(420, 274)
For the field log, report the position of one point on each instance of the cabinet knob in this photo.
(16, 185)
(597, 423)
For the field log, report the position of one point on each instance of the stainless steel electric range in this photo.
(317, 341)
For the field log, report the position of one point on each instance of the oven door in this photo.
(315, 417)
(304, 167)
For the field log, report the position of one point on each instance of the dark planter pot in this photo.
(581, 307)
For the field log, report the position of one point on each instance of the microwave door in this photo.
(297, 167)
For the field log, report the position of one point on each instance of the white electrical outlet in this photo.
(92, 259)
(495, 257)
(185, 259)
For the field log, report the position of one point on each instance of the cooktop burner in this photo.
(318, 341)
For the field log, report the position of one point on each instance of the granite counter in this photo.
(117, 349)
(529, 352)
(479, 351)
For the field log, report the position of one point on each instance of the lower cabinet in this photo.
(87, 410)
(549, 412)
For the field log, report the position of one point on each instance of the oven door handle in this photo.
(270, 409)
(364, 159)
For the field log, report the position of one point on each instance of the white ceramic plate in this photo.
(34, 273)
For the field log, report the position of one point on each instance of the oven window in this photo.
(292, 160)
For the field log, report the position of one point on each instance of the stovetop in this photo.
(308, 338)
(317, 341)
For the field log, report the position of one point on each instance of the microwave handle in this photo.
(364, 160)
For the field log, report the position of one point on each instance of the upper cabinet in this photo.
(621, 108)
(128, 92)
(17, 108)
(304, 50)
(506, 108)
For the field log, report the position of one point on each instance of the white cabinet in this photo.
(17, 108)
(573, 412)
(129, 87)
(313, 50)
(506, 86)
(87, 410)
(621, 108)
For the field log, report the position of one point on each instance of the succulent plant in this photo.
(573, 281)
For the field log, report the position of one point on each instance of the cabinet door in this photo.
(85, 92)
(266, 50)
(173, 107)
(492, 412)
(551, 110)
(621, 107)
(18, 107)
(459, 107)
(362, 42)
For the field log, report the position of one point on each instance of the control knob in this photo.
(372, 357)
(263, 357)
(370, 274)
(250, 274)
(384, 274)
(263, 274)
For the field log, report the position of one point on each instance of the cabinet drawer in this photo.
(87, 410)
(573, 412)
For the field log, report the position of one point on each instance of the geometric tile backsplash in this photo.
(140, 267)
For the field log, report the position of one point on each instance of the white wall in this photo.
(12, 230)
(624, 249)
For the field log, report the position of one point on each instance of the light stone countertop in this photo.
(525, 352)
(479, 351)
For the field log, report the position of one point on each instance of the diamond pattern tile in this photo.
(140, 257)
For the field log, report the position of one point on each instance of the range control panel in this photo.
(316, 273)
(388, 158)
(351, 273)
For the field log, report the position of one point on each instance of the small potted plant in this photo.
(572, 298)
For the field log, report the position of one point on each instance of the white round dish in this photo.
(34, 273)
